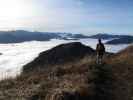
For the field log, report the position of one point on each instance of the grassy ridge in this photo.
(81, 79)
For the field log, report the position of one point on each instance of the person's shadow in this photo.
(103, 82)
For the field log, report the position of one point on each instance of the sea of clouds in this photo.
(14, 56)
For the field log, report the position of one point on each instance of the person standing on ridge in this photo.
(100, 50)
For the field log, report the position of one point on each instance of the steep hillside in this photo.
(59, 55)
(124, 56)
(122, 69)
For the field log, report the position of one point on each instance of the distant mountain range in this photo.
(105, 36)
(115, 39)
(123, 40)
(22, 36)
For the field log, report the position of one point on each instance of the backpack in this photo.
(100, 48)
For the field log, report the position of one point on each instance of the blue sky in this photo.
(76, 16)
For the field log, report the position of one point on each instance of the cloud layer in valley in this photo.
(14, 56)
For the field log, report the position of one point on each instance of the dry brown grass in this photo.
(71, 77)
(82, 78)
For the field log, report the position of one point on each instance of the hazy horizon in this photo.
(74, 16)
(89, 34)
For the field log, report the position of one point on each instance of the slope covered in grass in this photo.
(80, 79)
